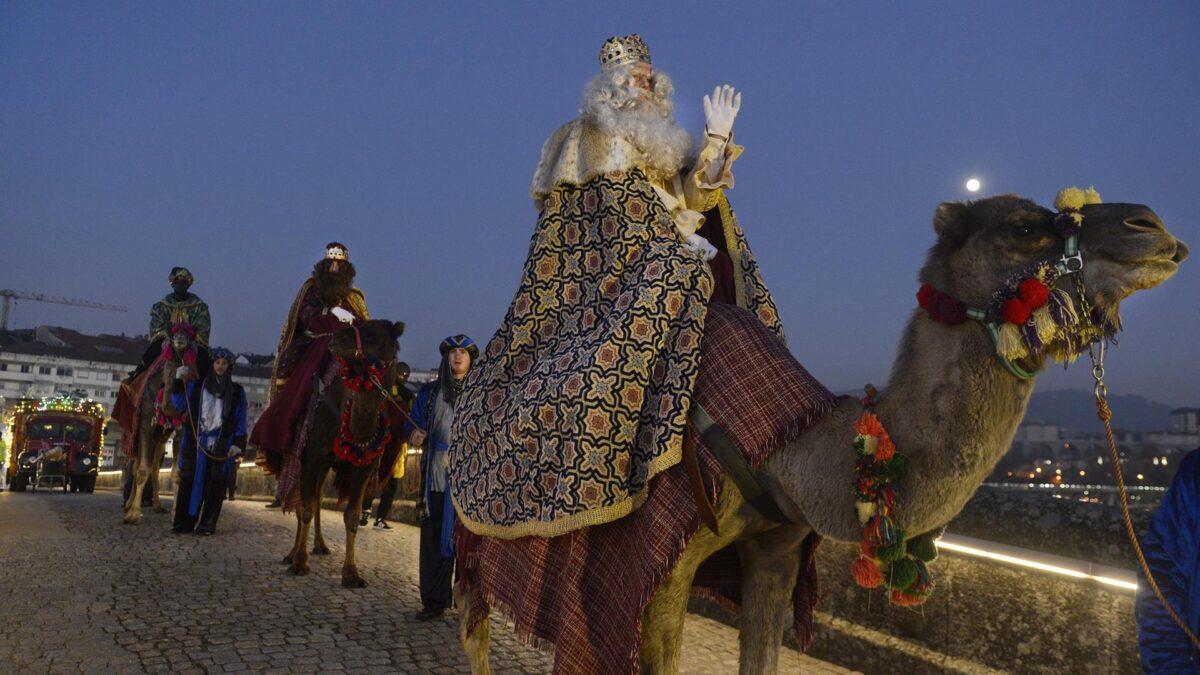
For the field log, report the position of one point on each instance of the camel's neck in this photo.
(952, 409)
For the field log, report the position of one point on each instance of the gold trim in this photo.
(732, 246)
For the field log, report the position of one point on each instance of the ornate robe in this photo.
(303, 352)
(582, 395)
(169, 311)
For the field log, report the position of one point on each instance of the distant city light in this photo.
(1164, 461)
(1141, 477)
(1155, 461)
(1082, 472)
(973, 185)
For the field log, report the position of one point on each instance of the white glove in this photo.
(235, 451)
(343, 315)
(721, 109)
(181, 372)
(700, 246)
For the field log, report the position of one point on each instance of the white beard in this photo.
(645, 119)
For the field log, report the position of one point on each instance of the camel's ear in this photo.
(397, 329)
(950, 220)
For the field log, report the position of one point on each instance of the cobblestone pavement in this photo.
(84, 593)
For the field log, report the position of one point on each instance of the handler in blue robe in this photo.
(429, 426)
(1172, 548)
(214, 438)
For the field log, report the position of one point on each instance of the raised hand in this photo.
(721, 109)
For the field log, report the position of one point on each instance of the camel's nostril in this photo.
(1145, 223)
(1181, 251)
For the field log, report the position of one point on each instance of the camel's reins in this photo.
(1105, 415)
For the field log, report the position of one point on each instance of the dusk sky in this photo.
(236, 139)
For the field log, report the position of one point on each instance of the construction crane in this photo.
(10, 295)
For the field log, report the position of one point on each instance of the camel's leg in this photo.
(770, 563)
(319, 546)
(350, 576)
(160, 451)
(475, 643)
(309, 476)
(133, 507)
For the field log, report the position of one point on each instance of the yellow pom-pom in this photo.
(1009, 343)
(1075, 198)
(866, 510)
(870, 443)
(1068, 198)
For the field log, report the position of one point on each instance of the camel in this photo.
(152, 436)
(372, 343)
(950, 405)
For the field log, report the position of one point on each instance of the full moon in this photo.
(973, 185)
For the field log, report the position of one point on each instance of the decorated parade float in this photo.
(55, 442)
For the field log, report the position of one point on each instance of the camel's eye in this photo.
(1024, 231)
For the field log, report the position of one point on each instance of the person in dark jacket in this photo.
(1172, 549)
(429, 427)
(214, 435)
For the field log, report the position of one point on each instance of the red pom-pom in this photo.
(886, 449)
(1034, 293)
(866, 572)
(926, 295)
(951, 311)
(1016, 312)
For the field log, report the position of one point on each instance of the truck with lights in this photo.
(64, 429)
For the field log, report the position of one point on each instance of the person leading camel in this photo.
(326, 302)
(429, 427)
(214, 436)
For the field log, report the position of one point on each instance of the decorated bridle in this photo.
(1028, 310)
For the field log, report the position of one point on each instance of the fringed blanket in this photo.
(584, 593)
(130, 399)
(582, 395)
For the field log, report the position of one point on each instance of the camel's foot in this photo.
(352, 579)
(158, 508)
(132, 517)
(287, 559)
(297, 569)
(320, 548)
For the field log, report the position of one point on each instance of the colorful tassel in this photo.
(902, 574)
(866, 572)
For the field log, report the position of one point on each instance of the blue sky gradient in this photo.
(238, 138)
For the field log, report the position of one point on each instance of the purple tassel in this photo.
(1029, 332)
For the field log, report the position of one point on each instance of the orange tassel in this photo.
(902, 599)
(866, 572)
(868, 425)
(886, 449)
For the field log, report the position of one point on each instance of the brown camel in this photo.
(152, 437)
(372, 342)
(950, 406)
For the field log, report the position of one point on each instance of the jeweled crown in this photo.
(335, 253)
(621, 51)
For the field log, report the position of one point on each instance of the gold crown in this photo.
(621, 51)
(335, 253)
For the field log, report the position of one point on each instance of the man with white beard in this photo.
(582, 395)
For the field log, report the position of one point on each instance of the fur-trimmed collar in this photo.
(579, 151)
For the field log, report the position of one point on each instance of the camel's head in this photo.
(372, 340)
(368, 354)
(986, 248)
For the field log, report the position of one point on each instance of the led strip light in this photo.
(1110, 576)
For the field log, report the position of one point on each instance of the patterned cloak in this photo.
(581, 396)
(169, 311)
